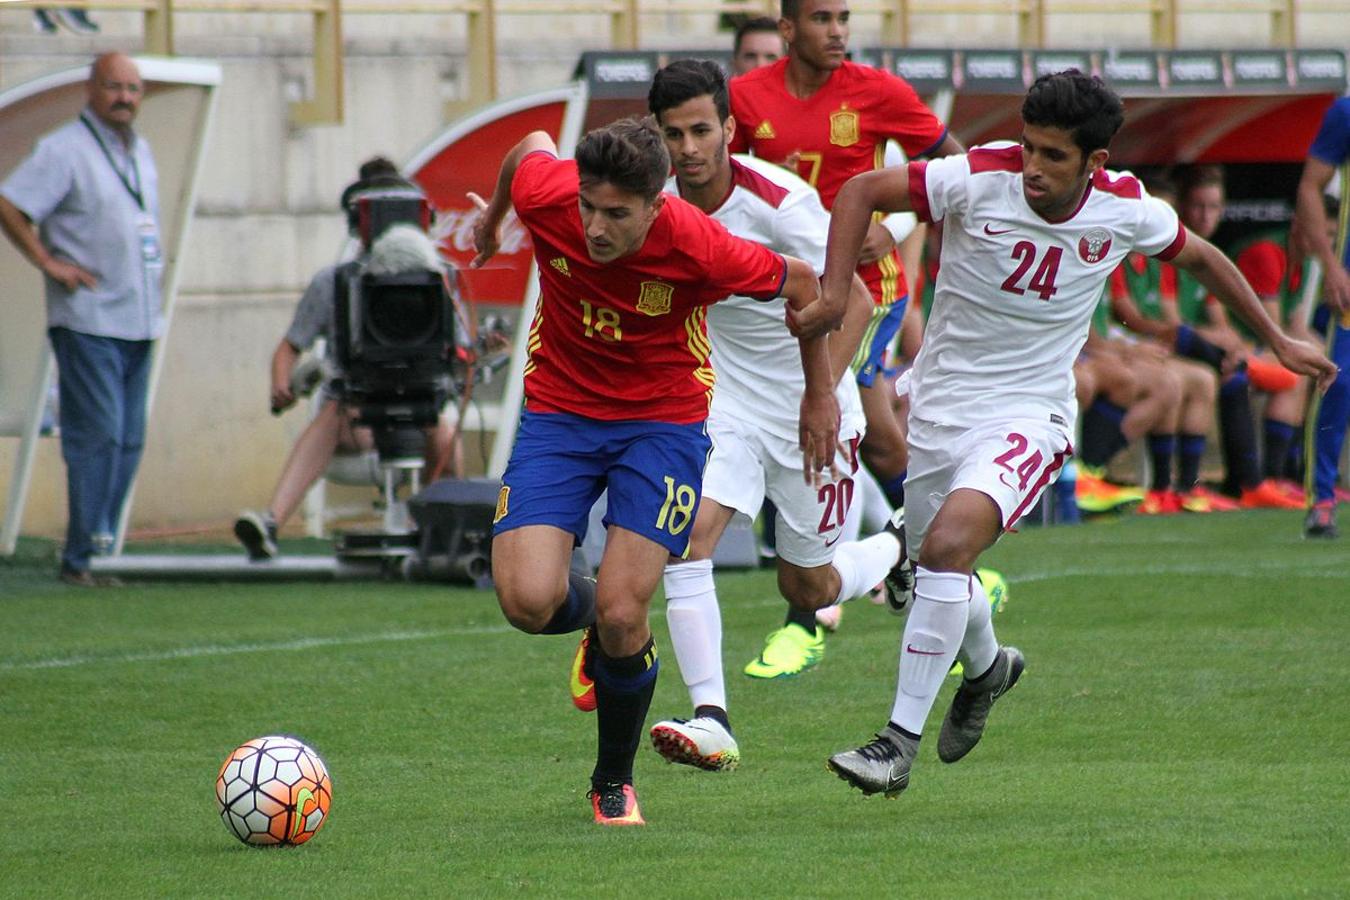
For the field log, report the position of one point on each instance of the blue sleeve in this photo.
(1332, 144)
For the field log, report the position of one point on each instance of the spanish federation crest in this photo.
(1093, 246)
(844, 127)
(654, 298)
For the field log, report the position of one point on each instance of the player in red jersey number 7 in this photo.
(1030, 235)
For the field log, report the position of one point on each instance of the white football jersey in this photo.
(757, 360)
(1015, 293)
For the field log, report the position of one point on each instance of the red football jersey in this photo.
(837, 132)
(627, 340)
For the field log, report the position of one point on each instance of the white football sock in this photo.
(863, 564)
(871, 499)
(696, 630)
(933, 632)
(979, 648)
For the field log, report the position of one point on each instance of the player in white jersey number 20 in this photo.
(753, 421)
(1031, 234)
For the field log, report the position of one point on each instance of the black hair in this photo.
(1197, 176)
(751, 26)
(685, 79)
(789, 9)
(1077, 103)
(1158, 181)
(375, 172)
(629, 154)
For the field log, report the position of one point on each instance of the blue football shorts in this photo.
(561, 463)
(871, 356)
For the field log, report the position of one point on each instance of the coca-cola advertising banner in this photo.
(466, 157)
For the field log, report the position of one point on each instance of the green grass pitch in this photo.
(1182, 730)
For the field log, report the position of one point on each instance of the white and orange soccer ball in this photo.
(274, 791)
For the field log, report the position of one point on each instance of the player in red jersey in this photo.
(829, 119)
(617, 390)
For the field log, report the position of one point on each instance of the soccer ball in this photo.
(273, 791)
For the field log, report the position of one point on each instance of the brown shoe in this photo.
(87, 579)
(78, 578)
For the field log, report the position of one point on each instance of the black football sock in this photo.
(1238, 432)
(894, 489)
(1293, 463)
(578, 608)
(623, 693)
(804, 618)
(903, 732)
(715, 713)
(1191, 451)
(769, 512)
(1102, 437)
(1279, 438)
(1161, 448)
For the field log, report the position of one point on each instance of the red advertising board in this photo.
(466, 158)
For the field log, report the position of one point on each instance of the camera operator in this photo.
(335, 428)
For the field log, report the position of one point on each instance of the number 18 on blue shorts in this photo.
(561, 463)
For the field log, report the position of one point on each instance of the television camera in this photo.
(402, 353)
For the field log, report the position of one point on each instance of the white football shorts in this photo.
(747, 463)
(1012, 462)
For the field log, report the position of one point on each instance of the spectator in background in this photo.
(84, 209)
(333, 427)
(74, 18)
(757, 43)
(1143, 299)
(1199, 317)
(1330, 150)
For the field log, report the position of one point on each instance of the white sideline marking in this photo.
(1269, 569)
(66, 662)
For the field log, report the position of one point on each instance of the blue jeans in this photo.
(1334, 412)
(103, 384)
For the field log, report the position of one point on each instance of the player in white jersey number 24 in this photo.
(1030, 235)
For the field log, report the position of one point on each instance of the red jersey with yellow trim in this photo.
(838, 131)
(627, 340)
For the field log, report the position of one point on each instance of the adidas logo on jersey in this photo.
(764, 131)
(560, 263)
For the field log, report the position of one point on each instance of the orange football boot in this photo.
(1267, 495)
(582, 685)
(616, 804)
(1159, 503)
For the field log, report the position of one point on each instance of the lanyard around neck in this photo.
(133, 190)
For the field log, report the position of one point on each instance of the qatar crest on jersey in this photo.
(654, 298)
(1093, 246)
(844, 127)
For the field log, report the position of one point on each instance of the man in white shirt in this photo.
(753, 419)
(1031, 234)
(84, 209)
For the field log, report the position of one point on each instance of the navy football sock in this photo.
(623, 693)
(578, 608)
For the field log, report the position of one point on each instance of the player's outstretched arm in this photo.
(818, 425)
(1310, 221)
(1217, 272)
(492, 212)
(885, 190)
(845, 342)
